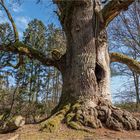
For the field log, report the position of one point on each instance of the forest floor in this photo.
(31, 132)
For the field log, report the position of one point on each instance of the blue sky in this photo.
(28, 10)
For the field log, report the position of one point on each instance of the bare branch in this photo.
(11, 65)
(113, 8)
(134, 65)
(124, 20)
(11, 20)
(16, 66)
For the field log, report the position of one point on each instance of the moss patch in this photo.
(54, 122)
(69, 117)
(74, 125)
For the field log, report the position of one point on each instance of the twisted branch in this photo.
(134, 65)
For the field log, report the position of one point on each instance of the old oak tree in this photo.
(85, 102)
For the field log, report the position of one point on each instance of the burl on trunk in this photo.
(86, 101)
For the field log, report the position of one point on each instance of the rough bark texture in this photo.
(86, 101)
(87, 60)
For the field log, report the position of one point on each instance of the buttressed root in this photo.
(80, 117)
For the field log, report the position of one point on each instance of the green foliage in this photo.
(56, 41)
(35, 35)
(6, 36)
(6, 33)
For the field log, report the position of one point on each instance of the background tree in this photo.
(36, 89)
(125, 39)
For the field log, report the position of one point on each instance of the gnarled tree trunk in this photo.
(86, 73)
(86, 99)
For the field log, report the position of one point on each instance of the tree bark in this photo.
(86, 101)
(87, 65)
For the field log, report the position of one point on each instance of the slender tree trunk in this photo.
(53, 86)
(136, 83)
(86, 101)
(57, 87)
(31, 83)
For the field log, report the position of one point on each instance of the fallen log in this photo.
(12, 124)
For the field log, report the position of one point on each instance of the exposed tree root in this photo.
(53, 123)
(81, 117)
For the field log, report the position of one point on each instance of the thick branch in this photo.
(22, 49)
(11, 20)
(113, 8)
(130, 62)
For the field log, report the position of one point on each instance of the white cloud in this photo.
(16, 7)
(20, 33)
(22, 22)
(1, 13)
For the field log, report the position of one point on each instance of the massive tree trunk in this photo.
(86, 101)
(86, 74)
